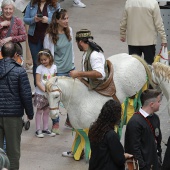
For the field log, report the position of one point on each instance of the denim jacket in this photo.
(30, 13)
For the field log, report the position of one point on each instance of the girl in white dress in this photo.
(44, 72)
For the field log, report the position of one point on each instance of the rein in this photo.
(155, 83)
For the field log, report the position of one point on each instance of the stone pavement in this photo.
(102, 17)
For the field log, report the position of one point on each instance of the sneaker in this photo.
(79, 4)
(48, 132)
(39, 134)
(68, 154)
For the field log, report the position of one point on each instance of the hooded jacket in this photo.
(15, 90)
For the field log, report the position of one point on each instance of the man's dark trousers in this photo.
(148, 51)
(11, 129)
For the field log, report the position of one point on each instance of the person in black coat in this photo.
(107, 152)
(15, 97)
(166, 161)
(143, 132)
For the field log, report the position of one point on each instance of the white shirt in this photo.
(143, 112)
(97, 61)
(46, 74)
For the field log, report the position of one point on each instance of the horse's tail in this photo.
(148, 71)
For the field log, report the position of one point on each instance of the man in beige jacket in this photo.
(141, 22)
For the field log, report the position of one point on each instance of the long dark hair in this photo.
(52, 29)
(53, 3)
(110, 116)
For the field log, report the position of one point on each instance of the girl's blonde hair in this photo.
(48, 54)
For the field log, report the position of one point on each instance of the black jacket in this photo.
(15, 90)
(140, 142)
(166, 162)
(108, 155)
(155, 121)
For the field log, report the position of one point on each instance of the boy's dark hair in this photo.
(149, 95)
(8, 50)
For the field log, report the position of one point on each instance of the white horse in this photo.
(84, 105)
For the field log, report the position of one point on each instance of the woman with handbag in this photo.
(11, 27)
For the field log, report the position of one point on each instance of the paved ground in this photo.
(102, 18)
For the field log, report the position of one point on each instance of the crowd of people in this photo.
(50, 39)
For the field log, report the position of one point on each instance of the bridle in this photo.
(56, 108)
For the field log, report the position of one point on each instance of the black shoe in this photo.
(27, 125)
(48, 132)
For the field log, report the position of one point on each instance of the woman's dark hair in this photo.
(52, 29)
(109, 117)
(53, 3)
(47, 53)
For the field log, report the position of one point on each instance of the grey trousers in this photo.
(11, 129)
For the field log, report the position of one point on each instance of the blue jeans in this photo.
(34, 49)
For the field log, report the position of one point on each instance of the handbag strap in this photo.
(10, 28)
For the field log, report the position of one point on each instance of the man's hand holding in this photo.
(74, 73)
(164, 44)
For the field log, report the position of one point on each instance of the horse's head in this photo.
(53, 96)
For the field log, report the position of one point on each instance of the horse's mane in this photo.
(146, 68)
(52, 80)
(161, 70)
